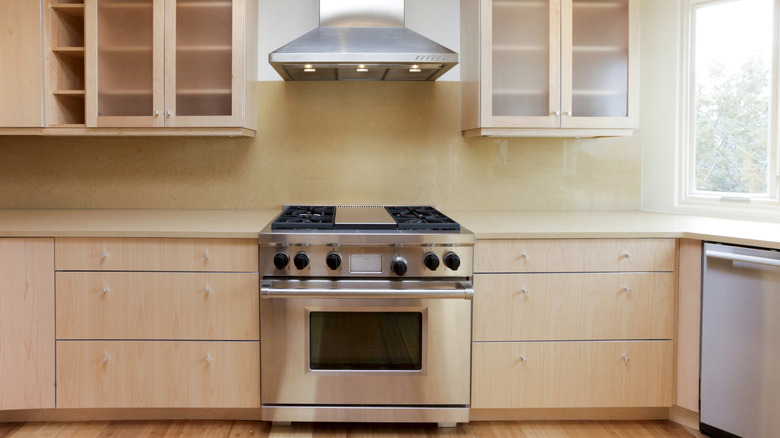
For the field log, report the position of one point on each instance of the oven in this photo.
(383, 335)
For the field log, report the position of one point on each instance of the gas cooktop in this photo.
(308, 217)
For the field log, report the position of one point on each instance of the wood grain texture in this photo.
(238, 429)
(152, 254)
(571, 374)
(689, 324)
(589, 306)
(574, 255)
(20, 71)
(156, 305)
(148, 374)
(26, 323)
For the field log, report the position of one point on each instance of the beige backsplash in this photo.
(342, 143)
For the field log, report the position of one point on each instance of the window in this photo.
(730, 89)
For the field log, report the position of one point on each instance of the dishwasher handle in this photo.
(743, 258)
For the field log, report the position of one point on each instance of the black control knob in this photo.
(452, 261)
(301, 260)
(281, 260)
(431, 261)
(399, 266)
(333, 260)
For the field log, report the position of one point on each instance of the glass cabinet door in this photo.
(596, 63)
(201, 80)
(129, 63)
(525, 62)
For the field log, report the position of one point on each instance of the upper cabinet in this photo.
(557, 68)
(156, 67)
(20, 70)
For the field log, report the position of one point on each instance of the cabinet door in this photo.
(125, 65)
(599, 67)
(26, 323)
(521, 63)
(20, 70)
(203, 47)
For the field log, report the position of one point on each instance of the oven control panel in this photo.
(388, 261)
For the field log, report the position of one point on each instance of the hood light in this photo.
(415, 69)
(362, 68)
(309, 68)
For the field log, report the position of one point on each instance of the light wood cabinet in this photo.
(572, 374)
(149, 322)
(143, 374)
(20, 69)
(26, 323)
(573, 323)
(563, 68)
(151, 67)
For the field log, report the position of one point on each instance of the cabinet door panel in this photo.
(20, 70)
(515, 375)
(574, 255)
(155, 374)
(520, 307)
(26, 324)
(158, 305)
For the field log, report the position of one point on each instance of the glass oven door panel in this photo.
(365, 341)
(417, 352)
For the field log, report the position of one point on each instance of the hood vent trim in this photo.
(373, 51)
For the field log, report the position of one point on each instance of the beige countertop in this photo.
(487, 225)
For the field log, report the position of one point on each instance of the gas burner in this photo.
(421, 218)
(297, 217)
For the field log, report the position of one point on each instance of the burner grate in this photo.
(422, 218)
(306, 217)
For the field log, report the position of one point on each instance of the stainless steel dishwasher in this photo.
(740, 342)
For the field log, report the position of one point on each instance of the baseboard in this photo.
(661, 413)
(685, 417)
(249, 414)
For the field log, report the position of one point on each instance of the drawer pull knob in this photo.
(105, 358)
(208, 289)
(627, 255)
(524, 256)
(206, 255)
(105, 289)
(522, 357)
(208, 358)
(626, 358)
(627, 289)
(525, 291)
(104, 254)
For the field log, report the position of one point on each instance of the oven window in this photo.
(365, 341)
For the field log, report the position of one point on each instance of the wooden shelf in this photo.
(202, 5)
(205, 49)
(73, 52)
(205, 92)
(127, 5)
(598, 5)
(597, 92)
(126, 93)
(519, 92)
(68, 125)
(70, 9)
(518, 48)
(125, 49)
(599, 49)
(515, 4)
(69, 93)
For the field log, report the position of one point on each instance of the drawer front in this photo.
(574, 306)
(157, 305)
(153, 254)
(574, 255)
(571, 374)
(152, 374)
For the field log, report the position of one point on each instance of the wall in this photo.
(328, 143)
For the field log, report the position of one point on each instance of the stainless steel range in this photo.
(366, 315)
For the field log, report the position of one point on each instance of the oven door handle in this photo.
(460, 290)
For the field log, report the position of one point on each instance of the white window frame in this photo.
(714, 202)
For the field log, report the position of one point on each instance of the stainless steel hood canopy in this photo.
(362, 40)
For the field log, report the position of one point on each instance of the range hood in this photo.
(362, 40)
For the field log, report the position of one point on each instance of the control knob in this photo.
(333, 260)
(281, 260)
(399, 266)
(452, 261)
(301, 260)
(431, 261)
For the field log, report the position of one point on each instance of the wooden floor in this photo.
(240, 429)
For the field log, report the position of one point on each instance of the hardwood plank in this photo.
(238, 429)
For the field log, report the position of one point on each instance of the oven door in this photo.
(367, 343)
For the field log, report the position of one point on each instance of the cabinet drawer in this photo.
(571, 374)
(157, 305)
(574, 255)
(152, 254)
(574, 306)
(156, 374)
